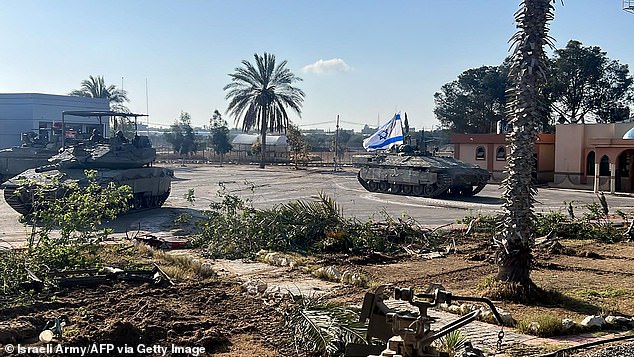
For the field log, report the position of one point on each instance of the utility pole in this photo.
(336, 143)
(147, 109)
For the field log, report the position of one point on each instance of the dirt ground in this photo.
(213, 315)
(218, 316)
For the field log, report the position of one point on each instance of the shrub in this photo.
(541, 325)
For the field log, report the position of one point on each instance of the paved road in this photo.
(281, 184)
(278, 184)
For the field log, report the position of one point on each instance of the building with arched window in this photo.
(595, 156)
(489, 151)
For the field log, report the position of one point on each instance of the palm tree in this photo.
(95, 87)
(260, 94)
(528, 67)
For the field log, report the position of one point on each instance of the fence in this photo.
(316, 158)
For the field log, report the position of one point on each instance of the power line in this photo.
(349, 122)
(324, 122)
(330, 122)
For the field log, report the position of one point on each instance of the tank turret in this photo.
(115, 153)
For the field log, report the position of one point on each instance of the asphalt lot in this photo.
(278, 184)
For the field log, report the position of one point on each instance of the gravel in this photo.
(625, 349)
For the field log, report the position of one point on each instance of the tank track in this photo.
(479, 188)
(139, 202)
(16, 202)
(423, 190)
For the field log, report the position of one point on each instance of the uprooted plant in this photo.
(233, 228)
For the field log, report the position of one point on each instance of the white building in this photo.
(42, 114)
(276, 146)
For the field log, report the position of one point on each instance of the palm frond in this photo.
(258, 94)
(324, 327)
(453, 342)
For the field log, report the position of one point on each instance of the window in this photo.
(480, 153)
(500, 153)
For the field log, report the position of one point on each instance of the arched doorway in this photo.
(625, 171)
(604, 166)
(590, 164)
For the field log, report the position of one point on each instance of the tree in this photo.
(356, 142)
(181, 135)
(260, 94)
(318, 141)
(525, 110)
(297, 143)
(586, 85)
(219, 135)
(475, 101)
(95, 87)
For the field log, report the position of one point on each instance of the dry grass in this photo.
(142, 256)
(178, 266)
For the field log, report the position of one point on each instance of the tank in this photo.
(418, 174)
(116, 160)
(33, 152)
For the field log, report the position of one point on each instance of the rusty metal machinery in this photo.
(409, 333)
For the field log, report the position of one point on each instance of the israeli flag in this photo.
(388, 135)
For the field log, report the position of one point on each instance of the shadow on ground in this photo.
(153, 221)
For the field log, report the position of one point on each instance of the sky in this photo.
(363, 60)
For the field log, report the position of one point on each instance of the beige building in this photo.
(489, 152)
(594, 156)
(586, 156)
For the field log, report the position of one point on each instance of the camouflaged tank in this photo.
(31, 153)
(414, 174)
(115, 160)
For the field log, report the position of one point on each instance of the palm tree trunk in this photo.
(263, 126)
(514, 256)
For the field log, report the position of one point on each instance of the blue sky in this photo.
(360, 59)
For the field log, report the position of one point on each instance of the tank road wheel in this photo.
(428, 190)
(383, 186)
(372, 186)
(407, 189)
(162, 198)
(467, 191)
(417, 190)
(148, 201)
(395, 188)
(137, 201)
